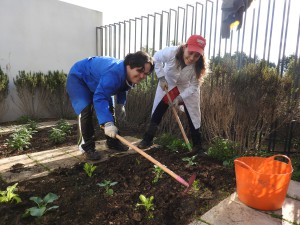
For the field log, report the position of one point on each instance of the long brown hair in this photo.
(199, 66)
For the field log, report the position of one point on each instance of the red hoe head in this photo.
(191, 181)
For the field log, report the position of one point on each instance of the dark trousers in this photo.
(161, 110)
(86, 140)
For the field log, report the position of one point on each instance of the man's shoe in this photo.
(145, 144)
(92, 155)
(117, 145)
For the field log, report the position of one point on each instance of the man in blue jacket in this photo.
(91, 83)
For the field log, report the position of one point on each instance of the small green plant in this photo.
(172, 143)
(196, 185)
(41, 207)
(64, 126)
(147, 203)
(158, 174)
(89, 168)
(223, 150)
(57, 136)
(32, 124)
(190, 160)
(9, 195)
(20, 139)
(23, 119)
(107, 184)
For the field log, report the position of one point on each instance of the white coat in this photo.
(185, 80)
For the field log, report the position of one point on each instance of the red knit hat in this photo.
(196, 43)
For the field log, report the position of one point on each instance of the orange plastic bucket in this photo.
(262, 183)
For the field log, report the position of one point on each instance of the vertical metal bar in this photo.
(175, 27)
(135, 34)
(168, 28)
(243, 38)
(297, 44)
(186, 25)
(129, 41)
(211, 20)
(115, 40)
(120, 28)
(182, 22)
(271, 30)
(285, 37)
(267, 26)
(280, 45)
(160, 31)
(105, 40)
(110, 41)
(197, 3)
(97, 40)
(251, 40)
(257, 26)
(147, 37)
(216, 24)
(124, 50)
(231, 37)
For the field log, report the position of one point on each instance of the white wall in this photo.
(43, 35)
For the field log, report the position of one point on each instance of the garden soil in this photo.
(82, 201)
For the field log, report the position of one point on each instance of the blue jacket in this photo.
(93, 81)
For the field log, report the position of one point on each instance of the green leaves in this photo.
(41, 207)
(147, 203)
(158, 174)
(9, 195)
(89, 169)
(190, 160)
(20, 139)
(107, 184)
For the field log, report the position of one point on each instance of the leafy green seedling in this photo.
(64, 126)
(41, 207)
(190, 160)
(196, 185)
(158, 173)
(147, 204)
(107, 184)
(20, 139)
(89, 168)
(9, 195)
(57, 136)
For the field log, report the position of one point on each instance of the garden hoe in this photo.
(150, 158)
(179, 122)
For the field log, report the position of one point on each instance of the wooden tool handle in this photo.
(179, 122)
(150, 158)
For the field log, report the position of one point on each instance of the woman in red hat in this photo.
(180, 70)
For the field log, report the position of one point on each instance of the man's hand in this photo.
(177, 101)
(110, 129)
(163, 83)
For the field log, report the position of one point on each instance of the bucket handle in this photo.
(244, 165)
(280, 155)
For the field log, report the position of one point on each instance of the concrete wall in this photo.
(43, 35)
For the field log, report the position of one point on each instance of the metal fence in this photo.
(270, 31)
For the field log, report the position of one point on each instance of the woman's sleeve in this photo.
(194, 87)
(163, 56)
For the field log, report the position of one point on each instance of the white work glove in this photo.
(110, 129)
(120, 112)
(177, 101)
(163, 83)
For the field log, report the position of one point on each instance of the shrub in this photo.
(57, 136)
(20, 139)
(4, 81)
(223, 149)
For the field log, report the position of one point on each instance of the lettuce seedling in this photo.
(89, 169)
(107, 184)
(9, 195)
(190, 160)
(148, 205)
(41, 207)
(158, 173)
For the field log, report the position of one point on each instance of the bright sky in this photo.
(119, 10)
